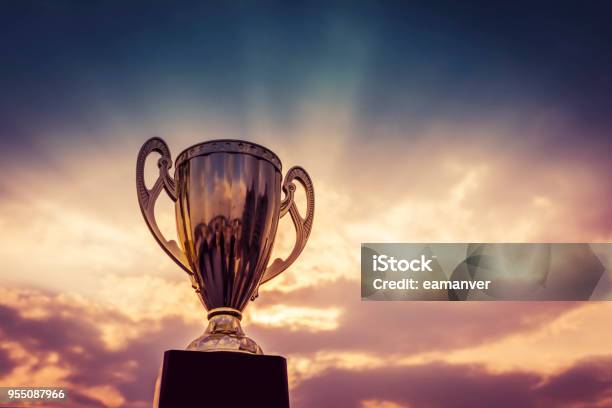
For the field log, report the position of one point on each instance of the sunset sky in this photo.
(441, 123)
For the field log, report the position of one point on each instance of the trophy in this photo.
(227, 196)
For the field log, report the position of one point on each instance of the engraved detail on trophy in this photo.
(227, 196)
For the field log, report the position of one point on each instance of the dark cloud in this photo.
(6, 364)
(76, 66)
(132, 369)
(401, 327)
(421, 327)
(440, 385)
(454, 60)
(587, 382)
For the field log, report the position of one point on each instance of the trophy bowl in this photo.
(227, 196)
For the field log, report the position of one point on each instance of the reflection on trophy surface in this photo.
(227, 196)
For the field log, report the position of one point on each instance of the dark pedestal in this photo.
(218, 379)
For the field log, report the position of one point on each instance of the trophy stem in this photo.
(224, 333)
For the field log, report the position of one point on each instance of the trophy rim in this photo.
(229, 146)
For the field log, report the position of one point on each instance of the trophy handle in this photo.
(302, 225)
(147, 198)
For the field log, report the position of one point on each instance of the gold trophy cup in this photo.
(227, 196)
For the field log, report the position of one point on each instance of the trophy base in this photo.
(221, 379)
(224, 333)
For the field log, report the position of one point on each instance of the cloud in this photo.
(440, 385)
(6, 363)
(586, 382)
(66, 347)
(108, 355)
(296, 318)
(409, 328)
(573, 335)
